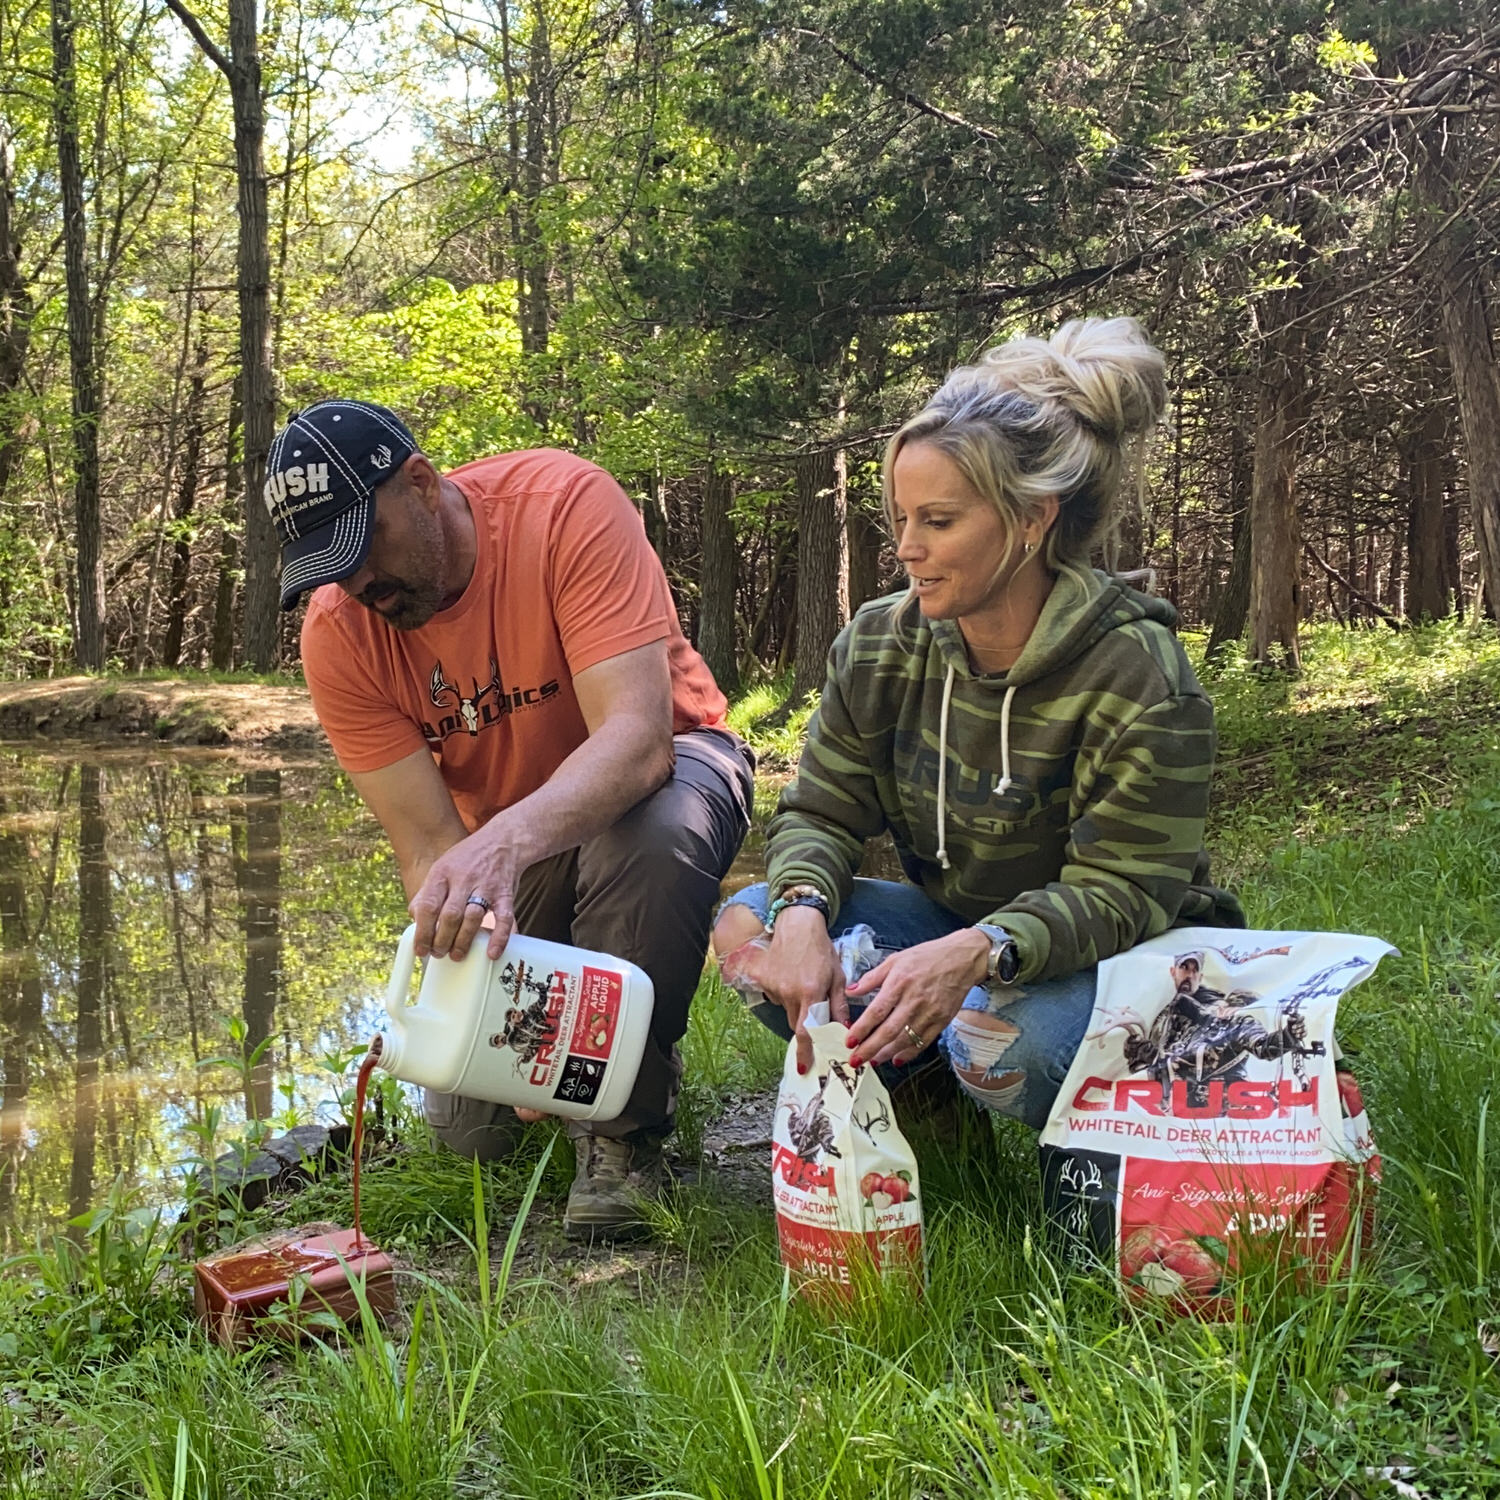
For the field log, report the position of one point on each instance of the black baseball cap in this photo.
(321, 476)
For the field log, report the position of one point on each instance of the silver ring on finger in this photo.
(916, 1037)
(479, 900)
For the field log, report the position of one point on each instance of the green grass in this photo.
(763, 716)
(1364, 796)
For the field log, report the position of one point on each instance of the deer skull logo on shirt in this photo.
(468, 708)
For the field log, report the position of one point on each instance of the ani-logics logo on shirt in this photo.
(485, 705)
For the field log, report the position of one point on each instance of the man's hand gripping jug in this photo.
(545, 1026)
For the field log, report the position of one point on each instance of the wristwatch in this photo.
(1003, 963)
(797, 895)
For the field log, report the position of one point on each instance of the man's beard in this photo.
(415, 603)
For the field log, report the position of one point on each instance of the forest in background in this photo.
(724, 250)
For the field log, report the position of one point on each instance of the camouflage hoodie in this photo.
(1063, 799)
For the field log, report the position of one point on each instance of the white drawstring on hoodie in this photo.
(1001, 787)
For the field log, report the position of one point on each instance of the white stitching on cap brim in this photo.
(337, 560)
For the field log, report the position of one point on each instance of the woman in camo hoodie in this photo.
(1028, 729)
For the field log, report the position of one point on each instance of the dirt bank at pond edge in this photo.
(254, 715)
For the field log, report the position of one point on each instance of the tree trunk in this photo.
(1233, 610)
(776, 587)
(527, 181)
(257, 381)
(1453, 570)
(88, 641)
(716, 584)
(654, 517)
(258, 393)
(93, 952)
(1476, 382)
(16, 310)
(1275, 535)
(866, 536)
(221, 651)
(1125, 545)
(822, 565)
(1179, 418)
(187, 494)
(1427, 596)
(1395, 582)
(258, 879)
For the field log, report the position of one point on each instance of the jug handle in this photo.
(395, 996)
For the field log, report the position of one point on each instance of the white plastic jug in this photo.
(547, 1026)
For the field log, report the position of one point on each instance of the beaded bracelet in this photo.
(797, 896)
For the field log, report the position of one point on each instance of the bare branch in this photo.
(922, 106)
(195, 27)
(1395, 621)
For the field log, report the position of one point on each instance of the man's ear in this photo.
(424, 479)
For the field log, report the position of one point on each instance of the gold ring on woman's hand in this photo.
(916, 1038)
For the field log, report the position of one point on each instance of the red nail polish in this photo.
(855, 1062)
(800, 1068)
(850, 1042)
(899, 1061)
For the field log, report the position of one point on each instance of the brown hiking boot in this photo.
(614, 1182)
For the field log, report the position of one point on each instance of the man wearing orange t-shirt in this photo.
(496, 658)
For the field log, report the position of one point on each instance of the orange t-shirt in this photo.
(564, 578)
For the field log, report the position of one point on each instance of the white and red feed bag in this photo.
(844, 1179)
(1206, 1122)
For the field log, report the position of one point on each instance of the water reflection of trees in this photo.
(257, 878)
(141, 905)
(21, 995)
(93, 968)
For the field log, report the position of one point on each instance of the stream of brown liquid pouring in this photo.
(361, 1088)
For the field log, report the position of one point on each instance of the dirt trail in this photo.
(128, 710)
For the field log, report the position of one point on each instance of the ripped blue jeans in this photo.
(1009, 1047)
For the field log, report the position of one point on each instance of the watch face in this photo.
(1010, 962)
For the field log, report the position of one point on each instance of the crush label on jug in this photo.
(592, 1037)
(547, 1006)
(598, 1014)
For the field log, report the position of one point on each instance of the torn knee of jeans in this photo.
(976, 1042)
(994, 1090)
(977, 1039)
(984, 1021)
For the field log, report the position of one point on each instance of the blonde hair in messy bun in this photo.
(1037, 417)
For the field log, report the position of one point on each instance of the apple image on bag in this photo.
(872, 1188)
(898, 1189)
(1142, 1247)
(1168, 1265)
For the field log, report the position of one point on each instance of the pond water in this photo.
(144, 905)
(148, 903)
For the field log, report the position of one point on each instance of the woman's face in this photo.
(949, 538)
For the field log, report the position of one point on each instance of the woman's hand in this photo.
(921, 990)
(798, 970)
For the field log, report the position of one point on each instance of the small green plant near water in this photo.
(763, 716)
(1361, 796)
(217, 1216)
